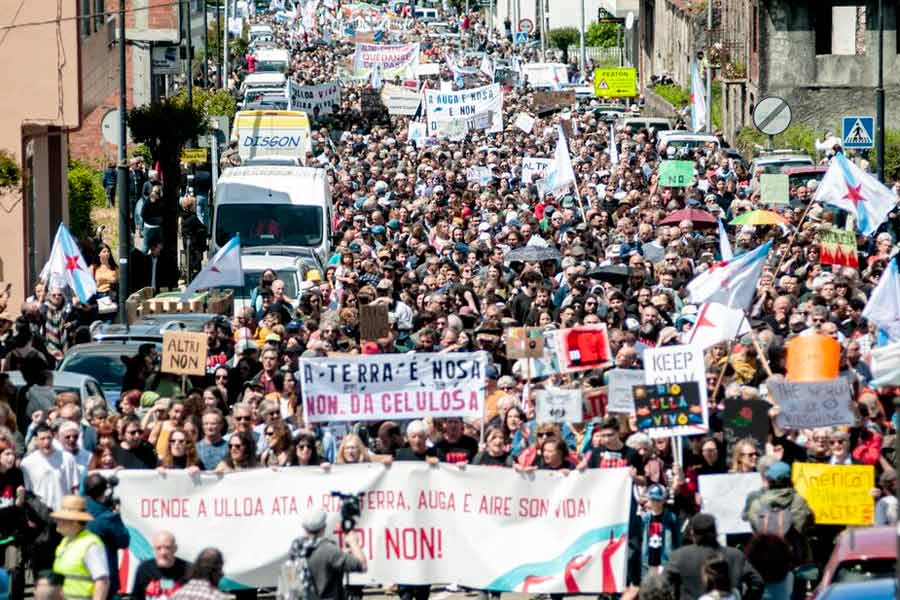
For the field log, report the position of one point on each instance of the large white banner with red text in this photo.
(393, 386)
(481, 527)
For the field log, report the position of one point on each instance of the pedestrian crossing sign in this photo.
(859, 132)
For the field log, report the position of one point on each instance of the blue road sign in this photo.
(859, 132)
(520, 38)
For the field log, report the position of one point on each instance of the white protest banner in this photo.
(396, 60)
(620, 394)
(400, 100)
(481, 175)
(559, 405)
(678, 364)
(813, 404)
(724, 497)
(419, 524)
(535, 166)
(545, 74)
(393, 386)
(326, 97)
(525, 122)
(453, 114)
(428, 69)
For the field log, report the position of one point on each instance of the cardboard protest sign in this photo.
(838, 247)
(559, 405)
(837, 494)
(724, 497)
(621, 389)
(676, 173)
(373, 322)
(666, 409)
(813, 358)
(532, 167)
(524, 342)
(813, 404)
(773, 188)
(595, 402)
(679, 364)
(746, 418)
(480, 175)
(400, 100)
(184, 353)
(370, 102)
(583, 347)
(544, 101)
(525, 122)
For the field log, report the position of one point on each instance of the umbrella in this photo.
(759, 217)
(532, 254)
(700, 218)
(614, 274)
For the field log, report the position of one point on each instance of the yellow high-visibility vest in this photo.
(70, 564)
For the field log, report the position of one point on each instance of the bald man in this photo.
(161, 576)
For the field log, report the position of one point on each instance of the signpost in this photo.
(772, 116)
(615, 83)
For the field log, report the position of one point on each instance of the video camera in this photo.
(103, 490)
(350, 509)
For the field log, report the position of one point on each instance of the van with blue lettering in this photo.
(272, 133)
(276, 208)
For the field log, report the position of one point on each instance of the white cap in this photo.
(314, 521)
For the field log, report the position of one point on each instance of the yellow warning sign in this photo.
(615, 83)
(194, 155)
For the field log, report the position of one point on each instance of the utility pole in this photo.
(583, 54)
(709, 24)
(218, 42)
(190, 56)
(225, 48)
(879, 103)
(540, 15)
(205, 45)
(122, 174)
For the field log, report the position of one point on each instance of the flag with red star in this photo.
(66, 267)
(849, 188)
(717, 323)
(730, 282)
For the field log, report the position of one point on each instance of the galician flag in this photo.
(717, 323)
(730, 282)
(849, 188)
(66, 267)
(561, 174)
(699, 110)
(223, 270)
(883, 307)
(724, 244)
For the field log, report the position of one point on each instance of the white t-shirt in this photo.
(50, 478)
(95, 561)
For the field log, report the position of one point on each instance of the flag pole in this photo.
(762, 357)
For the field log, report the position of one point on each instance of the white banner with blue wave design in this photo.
(481, 527)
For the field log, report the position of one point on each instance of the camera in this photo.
(350, 509)
(109, 498)
(103, 490)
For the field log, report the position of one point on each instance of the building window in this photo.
(841, 30)
(99, 14)
(85, 17)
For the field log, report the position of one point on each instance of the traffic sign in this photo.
(615, 83)
(520, 38)
(526, 25)
(772, 115)
(859, 132)
(195, 155)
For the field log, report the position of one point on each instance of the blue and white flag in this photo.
(66, 267)
(223, 270)
(561, 174)
(730, 282)
(883, 307)
(699, 110)
(849, 188)
(724, 245)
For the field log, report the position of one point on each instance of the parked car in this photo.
(149, 328)
(292, 268)
(103, 362)
(878, 589)
(861, 554)
(772, 161)
(798, 176)
(83, 385)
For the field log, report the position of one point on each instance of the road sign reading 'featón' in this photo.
(615, 83)
(772, 115)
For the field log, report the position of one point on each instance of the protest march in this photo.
(480, 327)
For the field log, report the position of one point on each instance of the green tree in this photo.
(210, 102)
(166, 127)
(602, 35)
(562, 38)
(10, 172)
(85, 192)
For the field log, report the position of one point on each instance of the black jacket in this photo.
(686, 564)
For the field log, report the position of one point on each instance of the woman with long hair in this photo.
(744, 456)
(181, 453)
(105, 272)
(496, 450)
(159, 435)
(352, 450)
(281, 448)
(306, 451)
(241, 453)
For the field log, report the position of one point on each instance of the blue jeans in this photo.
(138, 206)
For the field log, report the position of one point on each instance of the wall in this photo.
(40, 74)
(670, 37)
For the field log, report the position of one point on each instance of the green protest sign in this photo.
(773, 189)
(676, 173)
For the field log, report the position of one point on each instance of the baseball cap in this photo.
(657, 492)
(314, 520)
(778, 472)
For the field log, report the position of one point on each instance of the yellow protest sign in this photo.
(184, 353)
(194, 155)
(837, 494)
(615, 83)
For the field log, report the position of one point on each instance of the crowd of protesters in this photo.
(417, 235)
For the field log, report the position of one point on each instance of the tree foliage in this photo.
(210, 102)
(10, 172)
(602, 35)
(562, 38)
(85, 192)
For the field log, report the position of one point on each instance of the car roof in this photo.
(868, 542)
(261, 262)
(774, 158)
(60, 379)
(874, 589)
(803, 170)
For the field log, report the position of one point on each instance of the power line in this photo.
(104, 14)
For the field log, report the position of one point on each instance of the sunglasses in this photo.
(839, 442)
(749, 453)
(235, 445)
(304, 447)
(545, 434)
(242, 418)
(133, 432)
(221, 377)
(178, 441)
(270, 432)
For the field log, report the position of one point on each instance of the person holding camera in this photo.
(325, 565)
(107, 524)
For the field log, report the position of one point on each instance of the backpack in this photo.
(296, 581)
(779, 522)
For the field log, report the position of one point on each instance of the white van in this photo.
(272, 132)
(264, 80)
(274, 207)
(425, 14)
(272, 60)
(260, 31)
